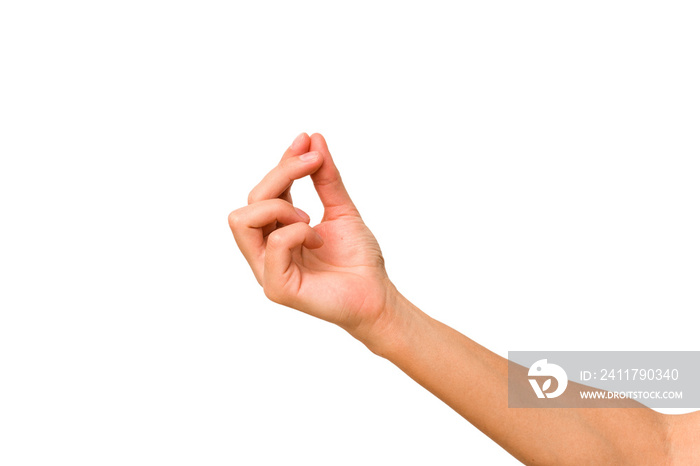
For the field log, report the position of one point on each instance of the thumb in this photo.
(329, 186)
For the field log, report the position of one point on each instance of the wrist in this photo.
(389, 334)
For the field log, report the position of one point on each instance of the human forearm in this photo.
(474, 382)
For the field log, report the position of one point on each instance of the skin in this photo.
(335, 271)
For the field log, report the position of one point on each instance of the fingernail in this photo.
(308, 157)
(303, 215)
(297, 141)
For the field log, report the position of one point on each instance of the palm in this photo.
(342, 281)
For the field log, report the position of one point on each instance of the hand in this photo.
(333, 271)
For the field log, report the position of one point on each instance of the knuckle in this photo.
(287, 163)
(273, 293)
(275, 240)
(281, 205)
(278, 202)
(252, 197)
(234, 218)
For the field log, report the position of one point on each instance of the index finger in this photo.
(299, 146)
(280, 178)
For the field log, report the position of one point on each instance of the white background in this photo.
(530, 170)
